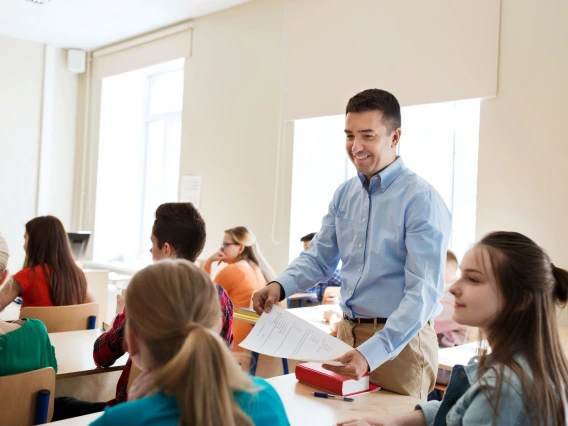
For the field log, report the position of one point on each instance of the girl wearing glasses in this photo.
(246, 272)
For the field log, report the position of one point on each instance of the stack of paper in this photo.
(284, 335)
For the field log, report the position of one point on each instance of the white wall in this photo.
(21, 76)
(523, 148)
(21, 100)
(230, 123)
(63, 141)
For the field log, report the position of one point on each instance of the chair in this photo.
(332, 291)
(18, 395)
(62, 318)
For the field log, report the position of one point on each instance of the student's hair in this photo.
(4, 254)
(531, 287)
(181, 226)
(48, 244)
(377, 100)
(173, 307)
(251, 252)
(451, 257)
(308, 237)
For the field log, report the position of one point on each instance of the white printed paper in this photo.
(191, 190)
(284, 335)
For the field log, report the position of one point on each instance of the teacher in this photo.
(390, 228)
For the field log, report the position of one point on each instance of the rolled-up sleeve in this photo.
(429, 409)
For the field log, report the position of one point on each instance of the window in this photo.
(139, 155)
(439, 142)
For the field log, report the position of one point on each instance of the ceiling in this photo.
(90, 24)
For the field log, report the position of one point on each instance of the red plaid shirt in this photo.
(110, 345)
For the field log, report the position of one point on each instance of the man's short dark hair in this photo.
(377, 100)
(308, 237)
(181, 226)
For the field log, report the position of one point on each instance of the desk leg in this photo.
(285, 365)
(253, 363)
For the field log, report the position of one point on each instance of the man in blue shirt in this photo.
(333, 281)
(390, 229)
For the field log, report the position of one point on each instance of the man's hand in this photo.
(262, 300)
(354, 366)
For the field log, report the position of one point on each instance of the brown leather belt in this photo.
(366, 320)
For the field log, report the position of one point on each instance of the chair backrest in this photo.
(332, 290)
(98, 283)
(62, 318)
(18, 395)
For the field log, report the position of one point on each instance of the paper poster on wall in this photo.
(191, 189)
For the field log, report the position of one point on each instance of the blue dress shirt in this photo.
(391, 235)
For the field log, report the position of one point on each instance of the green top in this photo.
(26, 348)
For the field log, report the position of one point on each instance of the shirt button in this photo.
(360, 245)
(384, 187)
(350, 292)
(364, 219)
(359, 270)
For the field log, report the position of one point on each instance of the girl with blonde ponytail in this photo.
(188, 377)
(247, 271)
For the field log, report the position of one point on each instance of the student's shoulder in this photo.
(157, 409)
(35, 326)
(234, 271)
(24, 275)
(263, 404)
(485, 386)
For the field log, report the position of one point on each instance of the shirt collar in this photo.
(384, 178)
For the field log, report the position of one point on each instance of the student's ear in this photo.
(168, 250)
(527, 300)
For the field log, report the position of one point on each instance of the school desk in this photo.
(460, 355)
(304, 409)
(74, 353)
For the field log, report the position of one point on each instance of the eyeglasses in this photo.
(225, 245)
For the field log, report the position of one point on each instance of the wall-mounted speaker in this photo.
(76, 60)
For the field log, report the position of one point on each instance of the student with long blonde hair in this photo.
(188, 375)
(247, 271)
(50, 276)
(509, 288)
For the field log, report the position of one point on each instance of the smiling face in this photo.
(370, 145)
(478, 299)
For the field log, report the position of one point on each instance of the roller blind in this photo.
(422, 51)
(160, 46)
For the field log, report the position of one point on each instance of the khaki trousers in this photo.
(412, 372)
